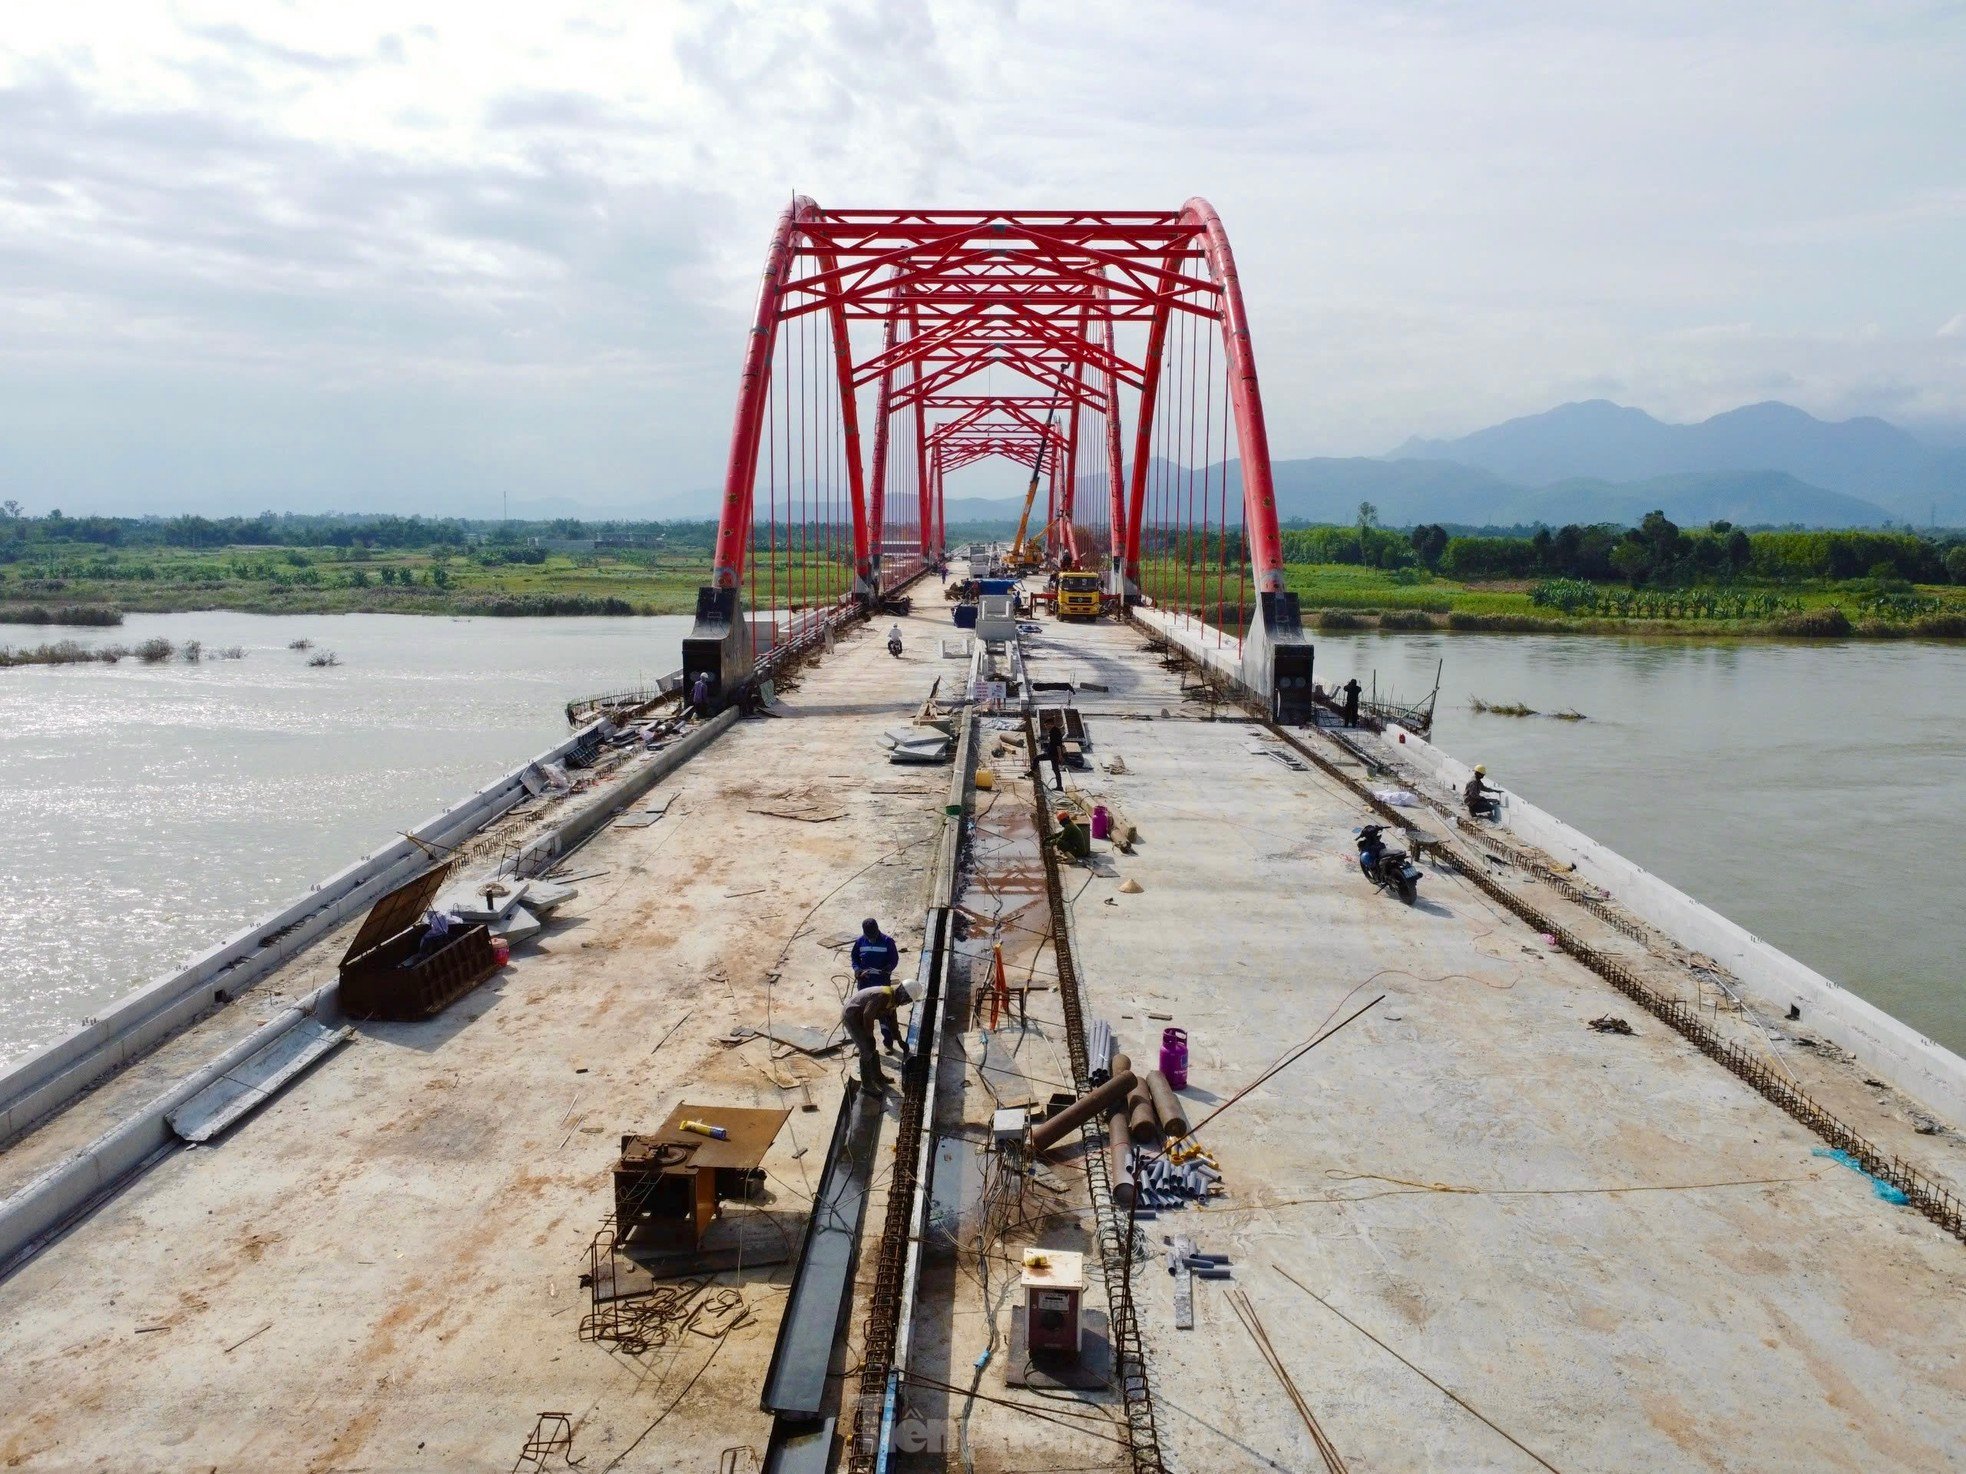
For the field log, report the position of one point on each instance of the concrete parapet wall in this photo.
(67, 1188)
(42, 1083)
(1195, 640)
(73, 1183)
(1894, 1051)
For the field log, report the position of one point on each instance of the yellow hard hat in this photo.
(1481, 770)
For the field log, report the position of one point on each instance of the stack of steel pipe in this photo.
(1099, 1051)
(1167, 1106)
(1161, 1183)
(1049, 1132)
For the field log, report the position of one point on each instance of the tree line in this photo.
(1657, 552)
(20, 532)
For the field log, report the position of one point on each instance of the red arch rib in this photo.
(1259, 498)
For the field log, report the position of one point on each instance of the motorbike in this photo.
(894, 646)
(1389, 869)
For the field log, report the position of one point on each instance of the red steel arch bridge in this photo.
(1106, 351)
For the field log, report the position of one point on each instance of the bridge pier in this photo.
(719, 646)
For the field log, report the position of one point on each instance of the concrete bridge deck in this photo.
(1612, 1248)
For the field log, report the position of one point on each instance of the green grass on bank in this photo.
(1349, 596)
(316, 580)
(343, 581)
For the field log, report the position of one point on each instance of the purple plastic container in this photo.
(1174, 1057)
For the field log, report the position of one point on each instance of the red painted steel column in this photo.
(1259, 498)
(753, 391)
(1143, 438)
(930, 501)
(877, 499)
(1115, 490)
(856, 478)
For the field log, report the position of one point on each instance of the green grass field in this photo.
(329, 580)
(662, 581)
(1364, 593)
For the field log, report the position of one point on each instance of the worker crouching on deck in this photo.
(874, 1002)
(1479, 794)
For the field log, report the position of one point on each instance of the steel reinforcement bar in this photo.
(1930, 1198)
(1115, 1229)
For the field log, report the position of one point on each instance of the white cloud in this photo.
(367, 253)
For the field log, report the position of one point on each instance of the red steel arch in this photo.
(962, 328)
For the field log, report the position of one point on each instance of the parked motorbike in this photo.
(1387, 868)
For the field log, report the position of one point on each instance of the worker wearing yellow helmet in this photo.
(1477, 792)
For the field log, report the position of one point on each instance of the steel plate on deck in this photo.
(255, 1080)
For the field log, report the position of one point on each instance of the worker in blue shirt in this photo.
(874, 959)
(873, 951)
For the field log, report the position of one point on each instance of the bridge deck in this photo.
(1448, 1170)
(1607, 1244)
(410, 1221)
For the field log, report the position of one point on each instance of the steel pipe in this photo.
(1106, 1097)
(1167, 1105)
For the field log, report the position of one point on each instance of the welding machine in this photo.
(1053, 1282)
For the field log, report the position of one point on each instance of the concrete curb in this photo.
(1898, 1053)
(595, 814)
(41, 1084)
(66, 1188)
(71, 1185)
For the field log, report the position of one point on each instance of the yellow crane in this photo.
(1024, 556)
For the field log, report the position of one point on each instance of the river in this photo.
(147, 812)
(1811, 792)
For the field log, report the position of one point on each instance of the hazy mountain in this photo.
(1600, 441)
(1410, 492)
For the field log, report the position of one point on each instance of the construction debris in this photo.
(1610, 1023)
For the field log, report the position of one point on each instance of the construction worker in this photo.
(1351, 688)
(1054, 753)
(699, 694)
(1072, 837)
(1477, 792)
(875, 1002)
(874, 951)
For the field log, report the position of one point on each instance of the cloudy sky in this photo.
(424, 256)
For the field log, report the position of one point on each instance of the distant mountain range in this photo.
(1762, 465)
(1598, 441)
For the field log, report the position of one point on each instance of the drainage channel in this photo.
(1930, 1198)
(1116, 1229)
(802, 1436)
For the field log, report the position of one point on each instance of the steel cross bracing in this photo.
(1028, 296)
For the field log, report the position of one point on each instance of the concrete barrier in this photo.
(71, 1185)
(1197, 641)
(1891, 1050)
(43, 1082)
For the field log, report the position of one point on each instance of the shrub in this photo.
(1948, 626)
(526, 605)
(1818, 624)
(1406, 619)
(1515, 624)
(90, 614)
(1339, 619)
(153, 651)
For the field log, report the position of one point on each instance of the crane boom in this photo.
(1019, 554)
